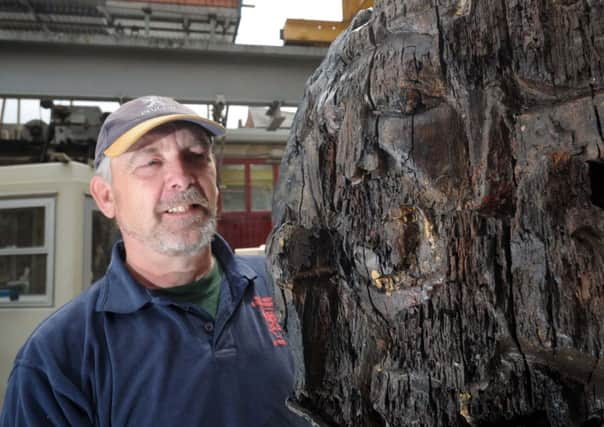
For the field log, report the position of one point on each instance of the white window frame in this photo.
(48, 249)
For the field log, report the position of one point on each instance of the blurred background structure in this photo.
(66, 64)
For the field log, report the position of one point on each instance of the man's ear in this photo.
(103, 196)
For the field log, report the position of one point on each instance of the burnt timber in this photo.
(439, 218)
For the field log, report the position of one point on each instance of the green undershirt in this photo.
(204, 292)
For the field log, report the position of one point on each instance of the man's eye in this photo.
(199, 155)
(150, 163)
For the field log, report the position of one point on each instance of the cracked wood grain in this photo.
(439, 218)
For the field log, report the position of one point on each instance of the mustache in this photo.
(191, 196)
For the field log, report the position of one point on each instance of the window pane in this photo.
(237, 116)
(31, 110)
(23, 274)
(10, 111)
(233, 188)
(262, 187)
(22, 227)
(104, 233)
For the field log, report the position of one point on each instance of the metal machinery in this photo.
(26, 28)
(70, 135)
(212, 20)
(69, 124)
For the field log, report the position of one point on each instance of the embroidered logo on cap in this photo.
(265, 305)
(154, 104)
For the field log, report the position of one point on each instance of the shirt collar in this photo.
(120, 293)
(233, 267)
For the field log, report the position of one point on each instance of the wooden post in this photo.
(439, 224)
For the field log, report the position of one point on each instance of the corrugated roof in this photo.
(207, 3)
(212, 20)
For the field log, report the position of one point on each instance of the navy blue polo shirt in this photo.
(122, 355)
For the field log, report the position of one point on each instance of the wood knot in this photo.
(560, 159)
(465, 399)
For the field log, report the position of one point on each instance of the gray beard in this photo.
(207, 231)
(166, 246)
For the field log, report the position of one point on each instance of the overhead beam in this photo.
(105, 67)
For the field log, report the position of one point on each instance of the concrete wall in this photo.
(68, 185)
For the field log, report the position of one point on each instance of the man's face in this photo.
(164, 190)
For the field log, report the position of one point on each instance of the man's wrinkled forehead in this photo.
(198, 135)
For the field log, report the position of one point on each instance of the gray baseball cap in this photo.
(132, 120)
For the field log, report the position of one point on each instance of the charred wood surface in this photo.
(439, 218)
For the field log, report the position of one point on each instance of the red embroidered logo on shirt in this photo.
(265, 305)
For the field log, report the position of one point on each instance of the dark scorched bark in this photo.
(439, 218)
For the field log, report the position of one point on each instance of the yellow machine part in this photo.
(351, 7)
(305, 31)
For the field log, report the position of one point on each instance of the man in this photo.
(179, 331)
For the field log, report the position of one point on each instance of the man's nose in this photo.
(179, 174)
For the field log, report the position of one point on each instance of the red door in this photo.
(246, 190)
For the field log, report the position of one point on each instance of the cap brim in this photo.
(124, 142)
